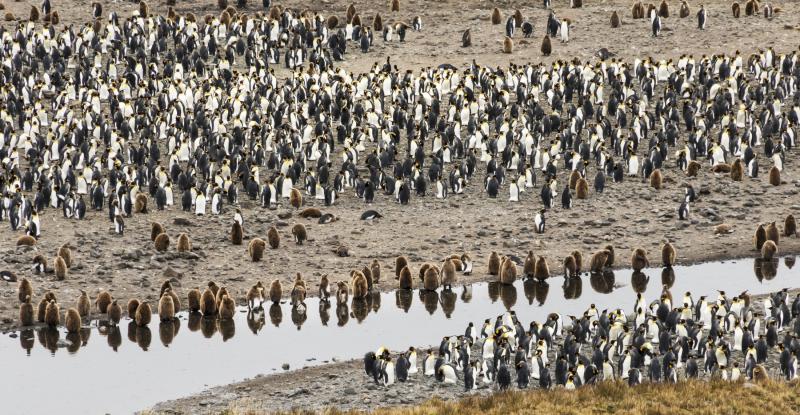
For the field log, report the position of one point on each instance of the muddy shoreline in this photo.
(344, 385)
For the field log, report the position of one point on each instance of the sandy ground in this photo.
(444, 21)
(346, 386)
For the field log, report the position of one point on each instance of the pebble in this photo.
(182, 222)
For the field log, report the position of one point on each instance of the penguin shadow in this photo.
(27, 340)
(227, 328)
(494, 290)
(256, 320)
(324, 312)
(342, 314)
(132, 331)
(403, 299)
(275, 314)
(194, 321)
(142, 336)
(374, 298)
(466, 293)
(299, 315)
(668, 277)
(536, 290)
(602, 282)
(765, 269)
(208, 326)
(85, 334)
(359, 309)
(73, 342)
(508, 295)
(639, 281)
(789, 262)
(448, 300)
(167, 330)
(114, 338)
(430, 299)
(573, 288)
(48, 338)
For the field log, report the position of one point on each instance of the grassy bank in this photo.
(694, 397)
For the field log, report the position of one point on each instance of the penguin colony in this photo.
(667, 340)
(160, 121)
(166, 112)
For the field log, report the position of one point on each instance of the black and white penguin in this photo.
(539, 221)
(656, 24)
(416, 23)
(683, 211)
(513, 191)
(503, 376)
(701, 18)
(527, 29)
(492, 186)
(466, 39)
(370, 215)
(566, 198)
(752, 168)
(119, 225)
(510, 26)
(599, 182)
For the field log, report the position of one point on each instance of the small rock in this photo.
(301, 391)
(182, 222)
(285, 366)
(171, 274)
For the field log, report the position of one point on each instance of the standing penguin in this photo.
(466, 39)
(789, 226)
(668, 255)
(684, 11)
(236, 233)
(513, 191)
(599, 182)
(508, 45)
(494, 263)
(566, 198)
(547, 48)
(701, 17)
(656, 25)
(539, 221)
(683, 211)
(759, 237)
(774, 176)
(582, 189)
(615, 19)
(119, 225)
(564, 31)
(772, 233)
(639, 259)
(496, 17)
(510, 26)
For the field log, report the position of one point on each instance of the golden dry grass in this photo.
(689, 398)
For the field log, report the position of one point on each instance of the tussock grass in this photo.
(689, 398)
